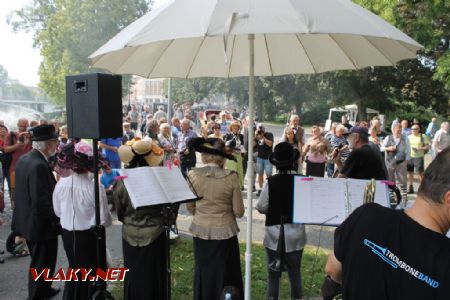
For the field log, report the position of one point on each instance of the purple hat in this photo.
(359, 130)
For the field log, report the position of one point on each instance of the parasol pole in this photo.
(169, 101)
(250, 166)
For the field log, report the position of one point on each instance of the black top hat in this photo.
(210, 145)
(44, 133)
(284, 155)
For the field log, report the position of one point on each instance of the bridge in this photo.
(33, 105)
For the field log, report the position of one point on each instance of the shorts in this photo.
(415, 163)
(263, 165)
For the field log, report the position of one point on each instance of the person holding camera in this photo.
(17, 144)
(264, 146)
(397, 149)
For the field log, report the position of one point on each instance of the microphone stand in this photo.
(168, 212)
(281, 247)
(99, 291)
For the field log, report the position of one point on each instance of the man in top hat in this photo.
(34, 217)
(275, 202)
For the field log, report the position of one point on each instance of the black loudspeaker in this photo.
(94, 106)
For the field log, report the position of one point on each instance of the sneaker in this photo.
(173, 235)
(411, 189)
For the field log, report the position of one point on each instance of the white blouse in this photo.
(74, 202)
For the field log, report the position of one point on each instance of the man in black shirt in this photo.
(264, 146)
(344, 121)
(380, 253)
(363, 162)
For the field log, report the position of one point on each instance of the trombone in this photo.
(369, 192)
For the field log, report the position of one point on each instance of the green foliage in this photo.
(182, 265)
(426, 81)
(68, 31)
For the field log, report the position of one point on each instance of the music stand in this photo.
(168, 211)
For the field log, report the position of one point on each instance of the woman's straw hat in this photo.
(152, 154)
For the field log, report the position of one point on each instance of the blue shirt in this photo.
(431, 129)
(406, 131)
(183, 139)
(108, 179)
(175, 132)
(109, 154)
(223, 128)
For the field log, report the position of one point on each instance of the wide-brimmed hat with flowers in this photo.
(78, 157)
(141, 149)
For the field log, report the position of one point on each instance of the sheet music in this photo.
(318, 200)
(382, 194)
(356, 189)
(143, 187)
(173, 183)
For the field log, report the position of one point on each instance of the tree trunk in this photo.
(362, 110)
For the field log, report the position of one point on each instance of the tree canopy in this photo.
(68, 31)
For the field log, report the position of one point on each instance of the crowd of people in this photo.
(42, 165)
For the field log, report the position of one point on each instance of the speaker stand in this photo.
(99, 291)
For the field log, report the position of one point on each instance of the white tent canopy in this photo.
(208, 38)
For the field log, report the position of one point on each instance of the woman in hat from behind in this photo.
(234, 142)
(143, 238)
(275, 202)
(73, 202)
(214, 227)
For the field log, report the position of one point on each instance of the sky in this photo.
(17, 54)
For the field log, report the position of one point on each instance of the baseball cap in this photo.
(359, 130)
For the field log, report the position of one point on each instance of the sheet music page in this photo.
(319, 200)
(143, 187)
(356, 189)
(382, 194)
(173, 183)
(302, 201)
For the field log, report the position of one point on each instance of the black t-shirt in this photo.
(364, 163)
(387, 255)
(264, 151)
(348, 126)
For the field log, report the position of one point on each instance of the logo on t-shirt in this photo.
(395, 262)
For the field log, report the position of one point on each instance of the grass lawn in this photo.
(182, 263)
